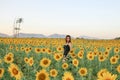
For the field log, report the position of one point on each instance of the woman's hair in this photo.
(69, 38)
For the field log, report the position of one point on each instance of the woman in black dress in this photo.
(67, 47)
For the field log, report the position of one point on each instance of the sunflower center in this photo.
(101, 57)
(82, 72)
(53, 72)
(59, 48)
(108, 79)
(71, 51)
(43, 49)
(116, 49)
(95, 53)
(27, 50)
(0, 71)
(49, 50)
(57, 57)
(113, 60)
(73, 55)
(31, 61)
(99, 53)
(90, 56)
(38, 50)
(117, 56)
(15, 71)
(41, 76)
(45, 61)
(68, 79)
(65, 65)
(106, 53)
(80, 55)
(26, 60)
(75, 62)
(9, 58)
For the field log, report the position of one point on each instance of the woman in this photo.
(67, 47)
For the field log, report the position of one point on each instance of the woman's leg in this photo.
(64, 58)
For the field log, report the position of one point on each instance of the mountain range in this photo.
(30, 35)
(3, 35)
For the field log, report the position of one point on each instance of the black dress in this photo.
(66, 49)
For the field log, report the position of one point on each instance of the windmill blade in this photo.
(19, 20)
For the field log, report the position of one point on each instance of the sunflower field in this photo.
(41, 59)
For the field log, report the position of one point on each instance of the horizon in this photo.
(92, 18)
(47, 36)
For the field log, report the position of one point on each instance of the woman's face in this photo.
(68, 39)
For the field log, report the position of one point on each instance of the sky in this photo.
(94, 18)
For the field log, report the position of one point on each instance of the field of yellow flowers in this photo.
(41, 59)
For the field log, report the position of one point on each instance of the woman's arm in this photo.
(70, 46)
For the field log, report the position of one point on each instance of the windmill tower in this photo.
(16, 27)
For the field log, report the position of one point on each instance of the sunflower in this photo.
(67, 76)
(61, 55)
(22, 48)
(43, 50)
(118, 68)
(11, 47)
(95, 53)
(31, 61)
(116, 50)
(53, 72)
(8, 58)
(95, 49)
(45, 62)
(26, 60)
(99, 53)
(75, 62)
(80, 54)
(101, 58)
(11, 54)
(82, 71)
(100, 73)
(117, 56)
(107, 76)
(108, 48)
(73, 55)
(27, 50)
(17, 49)
(30, 48)
(113, 60)
(42, 75)
(37, 50)
(1, 72)
(106, 53)
(48, 51)
(64, 65)
(90, 56)
(72, 51)
(57, 57)
(14, 71)
(59, 49)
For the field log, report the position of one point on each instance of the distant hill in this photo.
(117, 38)
(3, 35)
(87, 37)
(56, 36)
(29, 35)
